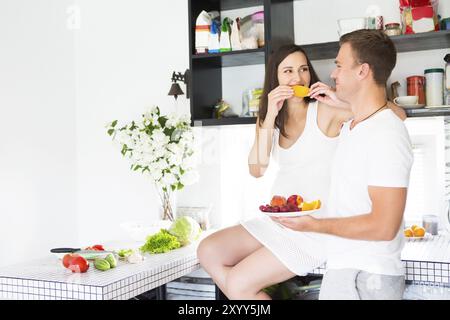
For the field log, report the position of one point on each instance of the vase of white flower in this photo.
(162, 148)
(168, 208)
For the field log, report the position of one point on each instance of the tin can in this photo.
(416, 87)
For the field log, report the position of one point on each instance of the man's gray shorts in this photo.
(352, 284)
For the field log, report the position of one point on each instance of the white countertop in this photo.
(48, 279)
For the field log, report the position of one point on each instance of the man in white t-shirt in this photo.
(369, 179)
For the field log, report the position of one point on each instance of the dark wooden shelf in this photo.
(411, 113)
(224, 121)
(234, 58)
(239, 4)
(428, 112)
(206, 87)
(404, 43)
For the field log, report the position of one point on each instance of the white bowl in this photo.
(406, 100)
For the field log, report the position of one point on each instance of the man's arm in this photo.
(382, 224)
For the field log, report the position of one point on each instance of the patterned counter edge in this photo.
(25, 289)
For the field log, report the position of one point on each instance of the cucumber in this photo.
(102, 264)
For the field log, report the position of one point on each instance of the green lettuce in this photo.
(185, 229)
(160, 242)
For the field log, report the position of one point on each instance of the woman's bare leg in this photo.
(259, 270)
(223, 249)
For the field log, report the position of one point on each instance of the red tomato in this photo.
(78, 264)
(98, 247)
(67, 258)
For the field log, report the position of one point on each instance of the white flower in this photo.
(156, 174)
(166, 160)
(168, 179)
(189, 177)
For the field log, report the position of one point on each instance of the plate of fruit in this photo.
(414, 232)
(293, 206)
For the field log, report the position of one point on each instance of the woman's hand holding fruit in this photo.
(275, 100)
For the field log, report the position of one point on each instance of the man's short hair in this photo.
(376, 49)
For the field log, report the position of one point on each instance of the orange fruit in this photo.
(300, 91)
(419, 232)
(278, 201)
(414, 227)
(408, 232)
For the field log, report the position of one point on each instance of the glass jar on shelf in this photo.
(393, 29)
(434, 86)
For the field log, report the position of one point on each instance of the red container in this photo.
(416, 87)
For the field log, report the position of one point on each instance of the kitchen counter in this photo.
(426, 261)
(47, 279)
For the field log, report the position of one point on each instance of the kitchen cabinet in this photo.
(206, 69)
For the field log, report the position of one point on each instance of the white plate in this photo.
(290, 214)
(411, 106)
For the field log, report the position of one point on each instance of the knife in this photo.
(80, 251)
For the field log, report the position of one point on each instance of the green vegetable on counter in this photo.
(102, 264)
(160, 242)
(125, 253)
(111, 260)
(186, 229)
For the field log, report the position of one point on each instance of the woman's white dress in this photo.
(304, 169)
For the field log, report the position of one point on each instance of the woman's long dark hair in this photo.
(271, 82)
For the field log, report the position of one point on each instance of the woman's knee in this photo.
(238, 286)
(205, 251)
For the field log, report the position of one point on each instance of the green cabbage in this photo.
(185, 229)
(160, 242)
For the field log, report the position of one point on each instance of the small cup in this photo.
(406, 100)
(430, 223)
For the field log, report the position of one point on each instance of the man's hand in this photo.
(304, 223)
(327, 95)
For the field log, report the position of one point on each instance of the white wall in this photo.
(125, 54)
(37, 112)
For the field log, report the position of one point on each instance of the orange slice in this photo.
(306, 206)
(409, 232)
(419, 232)
(300, 91)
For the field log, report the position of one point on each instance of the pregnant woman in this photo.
(300, 134)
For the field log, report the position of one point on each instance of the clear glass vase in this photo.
(168, 210)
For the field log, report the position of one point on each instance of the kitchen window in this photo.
(426, 193)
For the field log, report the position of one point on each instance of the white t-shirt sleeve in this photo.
(390, 159)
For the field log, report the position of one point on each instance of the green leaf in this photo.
(124, 149)
(162, 121)
(137, 167)
(110, 132)
(180, 186)
(182, 171)
(113, 124)
(173, 187)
